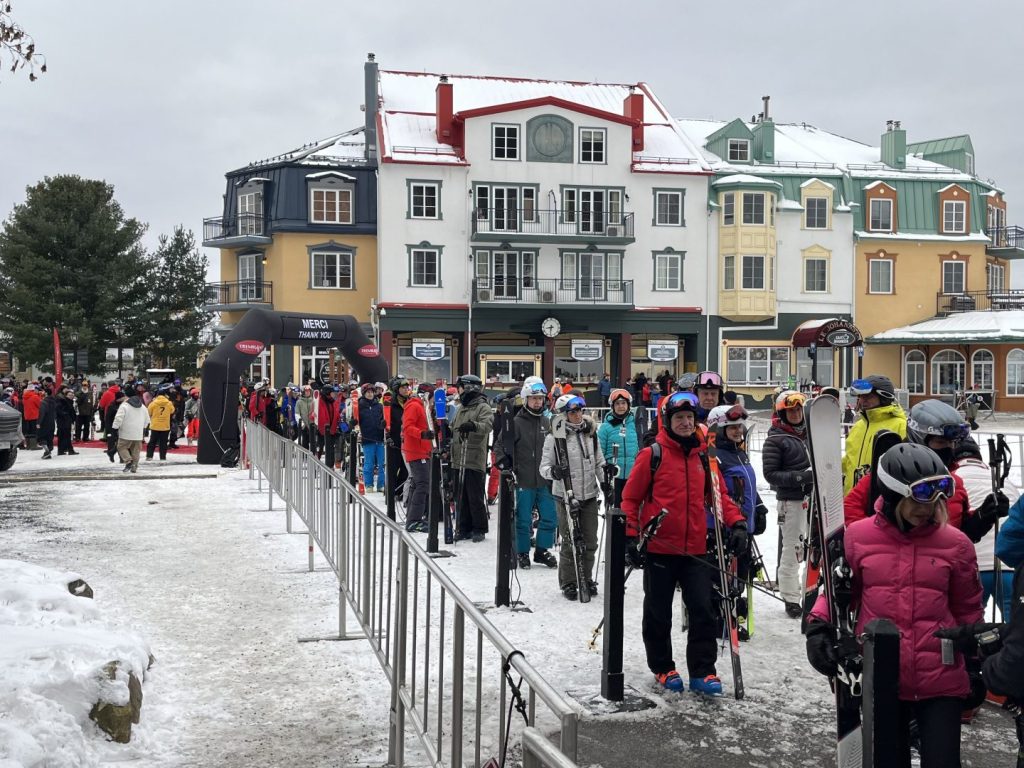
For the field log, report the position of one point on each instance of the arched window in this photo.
(948, 369)
(983, 370)
(913, 372)
(1015, 372)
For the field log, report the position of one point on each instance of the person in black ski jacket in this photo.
(83, 425)
(397, 471)
(788, 470)
(47, 423)
(371, 431)
(65, 415)
(108, 425)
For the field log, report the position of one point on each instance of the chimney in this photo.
(370, 106)
(764, 113)
(894, 145)
(633, 108)
(444, 111)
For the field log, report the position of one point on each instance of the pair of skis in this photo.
(442, 443)
(572, 508)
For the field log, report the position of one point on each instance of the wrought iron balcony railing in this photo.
(1006, 237)
(564, 222)
(240, 225)
(969, 301)
(528, 290)
(239, 293)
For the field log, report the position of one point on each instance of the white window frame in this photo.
(664, 266)
(339, 257)
(250, 212)
(728, 209)
(776, 365)
(1015, 373)
(597, 138)
(983, 370)
(729, 272)
(743, 272)
(807, 263)
(421, 187)
(738, 150)
(336, 208)
(871, 215)
(807, 211)
(951, 211)
(667, 220)
(891, 281)
(915, 360)
(754, 221)
(949, 357)
(949, 288)
(995, 278)
(412, 267)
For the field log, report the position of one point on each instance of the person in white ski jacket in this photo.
(585, 462)
(131, 421)
(977, 478)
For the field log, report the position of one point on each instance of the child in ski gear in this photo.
(530, 427)
(741, 480)
(788, 470)
(909, 566)
(876, 402)
(417, 447)
(585, 473)
(620, 429)
(370, 420)
(681, 485)
(470, 429)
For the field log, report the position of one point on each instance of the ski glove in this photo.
(634, 556)
(995, 506)
(821, 648)
(611, 470)
(606, 489)
(504, 463)
(427, 435)
(738, 539)
(760, 519)
(556, 472)
(965, 638)
(976, 697)
(806, 476)
(466, 427)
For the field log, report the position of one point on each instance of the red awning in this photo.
(830, 332)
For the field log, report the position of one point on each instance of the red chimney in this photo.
(444, 111)
(633, 107)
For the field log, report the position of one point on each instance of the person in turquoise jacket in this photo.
(620, 429)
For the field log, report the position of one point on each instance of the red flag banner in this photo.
(58, 359)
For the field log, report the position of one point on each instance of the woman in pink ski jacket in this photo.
(912, 568)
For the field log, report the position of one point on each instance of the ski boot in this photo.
(523, 561)
(544, 557)
(670, 681)
(569, 592)
(709, 685)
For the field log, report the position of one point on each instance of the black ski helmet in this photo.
(905, 464)
(934, 418)
(469, 383)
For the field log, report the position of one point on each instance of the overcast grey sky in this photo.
(162, 98)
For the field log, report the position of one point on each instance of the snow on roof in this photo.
(874, 184)
(346, 148)
(325, 174)
(973, 237)
(816, 181)
(745, 179)
(950, 186)
(959, 327)
(414, 138)
(789, 205)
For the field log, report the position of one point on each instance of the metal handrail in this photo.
(411, 613)
(240, 292)
(570, 222)
(532, 290)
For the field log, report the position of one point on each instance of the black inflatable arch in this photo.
(260, 329)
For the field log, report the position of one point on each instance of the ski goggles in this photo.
(576, 404)
(925, 490)
(952, 432)
(861, 387)
(708, 380)
(619, 394)
(792, 400)
(736, 413)
(680, 401)
(536, 388)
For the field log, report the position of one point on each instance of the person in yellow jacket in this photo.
(160, 411)
(877, 410)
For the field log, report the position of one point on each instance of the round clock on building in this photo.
(550, 327)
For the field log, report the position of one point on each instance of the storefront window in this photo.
(803, 366)
(757, 365)
(314, 363)
(509, 371)
(430, 371)
(260, 368)
(947, 372)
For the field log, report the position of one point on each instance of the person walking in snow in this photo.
(47, 423)
(675, 474)
(161, 411)
(131, 421)
(109, 429)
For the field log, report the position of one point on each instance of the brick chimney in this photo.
(444, 111)
(633, 107)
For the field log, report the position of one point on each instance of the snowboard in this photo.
(572, 508)
(441, 443)
(822, 416)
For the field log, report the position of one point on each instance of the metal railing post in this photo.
(287, 490)
(506, 540)
(458, 672)
(612, 686)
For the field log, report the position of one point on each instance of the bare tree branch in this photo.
(17, 48)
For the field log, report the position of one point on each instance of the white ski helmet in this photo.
(569, 402)
(533, 386)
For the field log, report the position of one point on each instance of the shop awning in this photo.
(829, 332)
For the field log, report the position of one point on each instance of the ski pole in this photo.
(609, 504)
(996, 459)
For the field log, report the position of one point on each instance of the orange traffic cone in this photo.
(362, 488)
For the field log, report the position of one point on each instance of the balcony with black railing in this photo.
(239, 294)
(242, 229)
(970, 301)
(531, 291)
(525, 224)
(1006, 242)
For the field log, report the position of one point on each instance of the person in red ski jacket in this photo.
(31, 399)
(417, 445)
(675, 553)
(328, 425)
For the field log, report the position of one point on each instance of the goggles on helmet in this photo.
(575, 404)
(861, 387)
(791, 400)
(736, 413)
(708, 380)
(952, 432)
(620, 394)
(536, 388)
(925, 490)
(680, 401)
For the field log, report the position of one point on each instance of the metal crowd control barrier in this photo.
(452, 673)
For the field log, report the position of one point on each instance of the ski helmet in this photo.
(620, 394)
(874, 384)
(531, 388)
(469, 383)
(686, 381)
(789, 398)
(397, 382)
(708, 380)
(916, 471)
(678, 401)
(570, 402)
(934, 418)
(727, 416)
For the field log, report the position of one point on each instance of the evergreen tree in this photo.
(71, 259)
(174, 317)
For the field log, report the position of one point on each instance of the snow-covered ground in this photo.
(198, 568)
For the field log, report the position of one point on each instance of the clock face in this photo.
(551, 327)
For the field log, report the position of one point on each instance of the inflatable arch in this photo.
(260, 329)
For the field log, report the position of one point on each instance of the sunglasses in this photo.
(708, 379)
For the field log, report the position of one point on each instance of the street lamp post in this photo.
(813, 349)
(118, 329)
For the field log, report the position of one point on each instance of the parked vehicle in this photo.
(10, 436)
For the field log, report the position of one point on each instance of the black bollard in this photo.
(353, 457)
(506, 539)
(614, 595)
(389, 491)
(434, 502)
(881, 732)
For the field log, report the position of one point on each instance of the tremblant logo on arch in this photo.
(369, 350)
(249, 347)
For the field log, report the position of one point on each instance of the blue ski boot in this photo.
(670, 681)
(709, 685)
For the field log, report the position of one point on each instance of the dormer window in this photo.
(954, 216)
(881, 215)
(739, 150)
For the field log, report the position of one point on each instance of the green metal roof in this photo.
(736, 129)
(937, 146)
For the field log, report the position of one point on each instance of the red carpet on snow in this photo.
(182, 448)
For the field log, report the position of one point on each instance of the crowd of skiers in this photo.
(120, 413)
